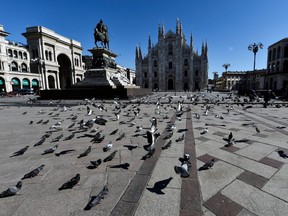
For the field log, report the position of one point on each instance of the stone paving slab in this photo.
(255, 200)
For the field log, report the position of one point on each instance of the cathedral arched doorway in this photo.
(65, 71)
(170, 84)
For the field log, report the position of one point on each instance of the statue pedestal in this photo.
(103, 58)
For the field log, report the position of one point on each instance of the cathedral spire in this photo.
(177, 26)
(163, 30)
(149, 43)
(202, 49)
(191, 42)
(206, 48)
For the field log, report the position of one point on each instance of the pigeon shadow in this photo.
(203, 168)
(159, 186)
(91, 167)
(123, 166)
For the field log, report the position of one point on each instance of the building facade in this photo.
(172, 65)
(277, 66)
(48, 61)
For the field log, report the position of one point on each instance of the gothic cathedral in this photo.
(171, 64)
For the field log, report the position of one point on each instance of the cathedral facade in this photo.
(172, 64)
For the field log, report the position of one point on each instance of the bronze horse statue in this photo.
(102, 36)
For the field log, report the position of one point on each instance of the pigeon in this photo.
(183, 170)
(181, 138)
(50, 150)
(89, 111)
(12, 190)
(34, 172)
(100, 121)
(282, 154)
(207, 165)
(197, 116)
(95, 200)
(218, 116)
(65, 152)
(20, 152)
(159, 186)
(96, 163)
(168, 145)
(256, 128)
(71, 183)
(40, 142)
(151, 139)
(98, 137)
(31, 122)
(45, 122)
(39, 122)
(85, 153)
(247, 107)
(205, 131)
(24, 113)
(108, 147)
(110, 157)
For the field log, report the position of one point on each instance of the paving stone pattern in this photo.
(248, 178)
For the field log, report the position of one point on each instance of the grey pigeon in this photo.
(20, 152)
(85, 153)
(71, 183)
(95, 200)
(282, 154)
(12, 190)
(69, 137)
(56, 139)
(207, 165)
(183, 170)
(181, 138)
(110, 157)
(34, 172)
(50, 150)
(96, 163)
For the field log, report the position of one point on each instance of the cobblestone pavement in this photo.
(248, 178)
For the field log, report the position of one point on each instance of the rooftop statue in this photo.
(101, 34)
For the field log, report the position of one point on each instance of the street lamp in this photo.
(39, 62)
(254, 48)
(226, 66)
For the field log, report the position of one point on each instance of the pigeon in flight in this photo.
(183, 170)
(85, 153)
(207, 165)
(12, 190)
(95, 200)
(34, 172)
(20, 152)
(71, 183)
(110, 157)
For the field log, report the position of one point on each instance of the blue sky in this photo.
(229, 26)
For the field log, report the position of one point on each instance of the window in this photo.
(46, 55)
(274, 53)
(170, 65)
(25, 55)
(145, 74)
(155, 74)
(186, 62)
(170, 49)
(50, 55)
(196, 73)
(185, 73)
(155, 64)
(15, 54)
(20, 55)
(286, 51)
(14, 66)
(278, 52)
(10, 53)
(269, 55)
(24, 67)
(277, 66)
(285, 66)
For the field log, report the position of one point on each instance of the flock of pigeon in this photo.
(98, 114)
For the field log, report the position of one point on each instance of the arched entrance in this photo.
(65, 71)
(35, 85)
(25, 83)
(170, 84)
(155, 86)
(15, 82)
(51, 82)
(186, 87)
(2, 85)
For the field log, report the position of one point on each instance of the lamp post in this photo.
(39, 62)
(254, 48)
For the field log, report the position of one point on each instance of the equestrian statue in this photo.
(101, 34)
